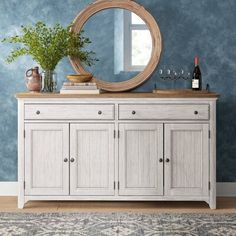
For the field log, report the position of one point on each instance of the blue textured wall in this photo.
(204, 27)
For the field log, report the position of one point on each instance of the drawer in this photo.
(69, 111)
(164, 111)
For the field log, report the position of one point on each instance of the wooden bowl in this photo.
(80, 78)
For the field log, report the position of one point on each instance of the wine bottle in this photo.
(197, 77)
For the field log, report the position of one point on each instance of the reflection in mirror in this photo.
(122, 43)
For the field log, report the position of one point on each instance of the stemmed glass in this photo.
(181, 74)
(173, 74)
(188, 75)
(161, 76)
(162, 73)
(168, 73)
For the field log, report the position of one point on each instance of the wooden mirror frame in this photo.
(139, 10)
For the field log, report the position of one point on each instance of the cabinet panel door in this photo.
(46, 146)
(92, 147)
(187, 148)
(140, 148)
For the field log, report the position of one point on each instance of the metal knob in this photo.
(72, 159)
(167, 160)
(37, 112)
(195, 112)
(160, 160)
(66, 159)
(99, 112)
(133, 112)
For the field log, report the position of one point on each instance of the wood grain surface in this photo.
(193, 94)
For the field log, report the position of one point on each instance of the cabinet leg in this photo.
(212, 203)
(21, 203)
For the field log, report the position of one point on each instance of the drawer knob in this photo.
(66, 159)
(37, 112)
(160, 160)
(133, 112)
(99, 112)
(167, 160)
(195, 112)
(72, 159)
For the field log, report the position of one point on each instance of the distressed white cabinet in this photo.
(186, 159)
(47, 145)
(117, 147)
(48, 159)
(140, 153)
(92, 159)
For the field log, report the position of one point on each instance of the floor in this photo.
(224, 205)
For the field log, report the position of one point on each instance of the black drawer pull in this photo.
(37, 112)
(133, 112)
(195, 112)
(99, 112)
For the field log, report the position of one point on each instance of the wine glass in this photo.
(175, 75)
(168, 73)
(187, 78)
(182, 74)
(161, 73)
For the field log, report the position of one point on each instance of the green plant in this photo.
(48, 45)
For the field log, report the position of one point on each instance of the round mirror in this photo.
(126, 40)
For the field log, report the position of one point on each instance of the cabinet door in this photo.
(140, 170)
(186, 147)
(46, 147)
(92, 147)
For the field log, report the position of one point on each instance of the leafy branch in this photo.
(48, 46)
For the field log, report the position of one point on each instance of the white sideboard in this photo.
(117, 146)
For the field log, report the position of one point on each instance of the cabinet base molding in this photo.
(108, 199)
(117, 149)
(223, 189)
(118, 198)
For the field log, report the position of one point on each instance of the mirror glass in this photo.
(122, 44)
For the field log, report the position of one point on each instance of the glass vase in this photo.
(49, 81)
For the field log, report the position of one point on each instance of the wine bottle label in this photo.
(195, 83)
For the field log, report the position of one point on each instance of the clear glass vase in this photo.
(49, 81)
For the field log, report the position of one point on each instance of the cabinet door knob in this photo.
(99, 112)
(167, 160)
(133, 112)
(72, 159)
(160, 160)
(195, 112)
(37, 112)
(66, 159)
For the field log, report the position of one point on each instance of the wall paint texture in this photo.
(204, 27)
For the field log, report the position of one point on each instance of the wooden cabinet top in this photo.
(160, 94)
